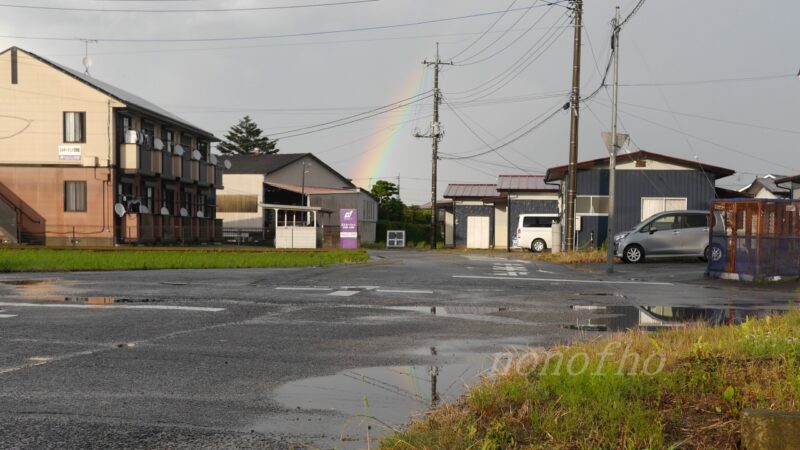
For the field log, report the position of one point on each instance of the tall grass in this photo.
(710, 375)
(64, 260)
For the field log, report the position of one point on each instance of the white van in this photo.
(534, 231)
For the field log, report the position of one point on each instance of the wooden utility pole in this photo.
(575, 99)
(435, 134)
(612, 160)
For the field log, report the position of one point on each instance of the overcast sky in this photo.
(684, 47)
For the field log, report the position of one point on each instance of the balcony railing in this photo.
(148, 228)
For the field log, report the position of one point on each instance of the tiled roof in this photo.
(524, 183)
(471, 191)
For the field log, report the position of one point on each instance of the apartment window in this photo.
(169, 140)
(187, 202)
(591, 205)
(202, 200)
(74, 127)
(148, 198)
(169, 200)
(186, 143)
(202, 147)
(75, 196)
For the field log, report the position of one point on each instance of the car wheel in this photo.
(704, 258)
(633, 254)
(714, 253)
(538, 246)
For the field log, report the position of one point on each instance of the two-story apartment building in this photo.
(85, 163)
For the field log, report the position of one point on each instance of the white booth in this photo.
(297, 226)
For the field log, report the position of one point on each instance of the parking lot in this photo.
(283, 358)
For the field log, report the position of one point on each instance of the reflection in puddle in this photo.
(626, 317)
(28, 282)
(373, 400)
(467, 312)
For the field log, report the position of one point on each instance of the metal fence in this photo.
(755, 239)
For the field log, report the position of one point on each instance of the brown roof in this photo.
(791, 179)
(471, 191)
(524, 183)
(558, 173)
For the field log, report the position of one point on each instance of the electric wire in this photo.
(218, 10)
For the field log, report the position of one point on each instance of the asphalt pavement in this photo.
(296, 358)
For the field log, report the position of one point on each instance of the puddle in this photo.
(373, 400)
(28, 282)
(466, 312)
(626, 317)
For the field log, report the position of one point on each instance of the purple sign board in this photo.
(348, 228)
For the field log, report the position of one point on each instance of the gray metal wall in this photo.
(461, 213)
(632, 186)
(528, 207)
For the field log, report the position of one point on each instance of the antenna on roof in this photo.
(87, 61)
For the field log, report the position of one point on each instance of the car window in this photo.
(696, 220)
(664, 223)
(536, 222)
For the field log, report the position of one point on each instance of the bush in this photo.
(414, 232)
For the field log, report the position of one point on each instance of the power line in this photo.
(505, 77)
(482, 35)
(713, 119)
(248, 9)
(269, 36)
(502, 35)
(712, 81)
(404, 102)
(515, 139)
(478, 136)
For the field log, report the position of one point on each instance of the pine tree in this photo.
(245, 139)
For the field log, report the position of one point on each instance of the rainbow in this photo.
(379, 149)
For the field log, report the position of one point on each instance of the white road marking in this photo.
(402, 291)
(303, 289)
(564, 280)
(89, 306)
(7, 316)
(344, 293)
(509, 269)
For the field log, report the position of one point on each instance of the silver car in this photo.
(668, 234)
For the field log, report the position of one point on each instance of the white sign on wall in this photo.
(69, 152)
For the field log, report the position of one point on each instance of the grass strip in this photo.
(710, 374)
(68, 260)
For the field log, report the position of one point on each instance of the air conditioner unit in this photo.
(131, 137)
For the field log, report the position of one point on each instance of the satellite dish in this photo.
(196, 155)
(140, 138)
(87, 63)
(184, 212)
(213, 159)
(158, 144)
(227, 164)
(119, 209)
(144, 209)
(164, 211)
(178, 150)
(200, 214)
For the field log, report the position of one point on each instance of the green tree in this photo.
(384, 191)
(389, 206)
(246, 138)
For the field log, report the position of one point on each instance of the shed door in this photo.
(477, 232)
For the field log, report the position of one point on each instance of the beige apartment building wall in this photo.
(243, 184)
(39, 193)
(32, 110)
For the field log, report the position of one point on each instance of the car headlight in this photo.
(620, 237)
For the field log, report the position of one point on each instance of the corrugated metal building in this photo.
(647, 183)
(486, 215)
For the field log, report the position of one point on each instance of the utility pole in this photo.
(398, 185)
(435, 134)
(612, 160)
(575, 99)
